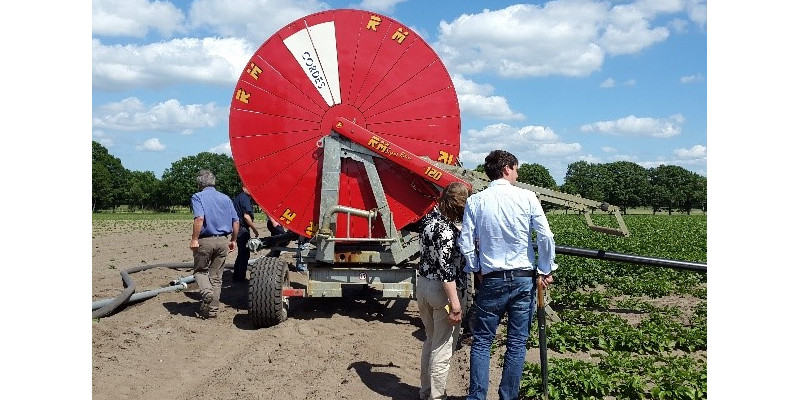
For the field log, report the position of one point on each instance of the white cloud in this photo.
(692, 78)
(103, 138)
(152, 144)
(135, 18)
(556, 149)
(697, 151)
(607, 149)
(590, 159)
(627, 29)
(629, 82)
(222, 148)
(255, 20)
(188, 60)
(698, 12)
(608, 83)
(131, 114)
(529, 143)
(468, 86)
(636, 126)
(560, 37)
(381, 6)
(491, 107)
(475, 99)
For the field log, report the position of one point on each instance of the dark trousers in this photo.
(243, 255)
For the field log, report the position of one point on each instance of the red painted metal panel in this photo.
(341, 63)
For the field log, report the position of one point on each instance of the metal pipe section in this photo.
(334, 209)
(631, 258)
(174, 286)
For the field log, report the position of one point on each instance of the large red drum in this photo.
(355, 64)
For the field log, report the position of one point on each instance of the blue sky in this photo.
(53, 95)
(553, 82)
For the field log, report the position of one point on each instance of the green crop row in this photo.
(643, 328)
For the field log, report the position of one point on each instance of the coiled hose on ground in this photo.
(103, 308)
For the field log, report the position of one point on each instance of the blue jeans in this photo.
(498, 296)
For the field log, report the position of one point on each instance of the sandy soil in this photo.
(157, 348)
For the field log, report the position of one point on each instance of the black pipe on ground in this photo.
(631, 258)
(130, 287)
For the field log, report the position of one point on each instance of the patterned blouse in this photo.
(441, 258)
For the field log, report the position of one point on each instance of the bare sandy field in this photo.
(157, 348)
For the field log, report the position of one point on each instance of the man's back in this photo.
(216, 209)
(243, 204)
(501, 219)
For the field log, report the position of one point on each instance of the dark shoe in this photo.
(205, 305)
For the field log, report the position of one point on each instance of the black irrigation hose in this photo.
(130, 286)
(633, 259)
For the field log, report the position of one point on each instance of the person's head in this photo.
(245, 189)
(501, 164)
(452, 201)
(206, 178)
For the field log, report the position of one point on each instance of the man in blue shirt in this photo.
(243, 204)
(496, 239)
(215, 221)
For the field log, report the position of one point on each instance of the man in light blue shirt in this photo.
(496, 239)
(213, 236)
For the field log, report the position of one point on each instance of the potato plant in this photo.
(643, 327)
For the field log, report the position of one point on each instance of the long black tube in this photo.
(540, 314)
(130, 287)
(631, 258)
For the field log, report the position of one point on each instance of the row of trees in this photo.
(622, 183)
(627, 185)
(114, 186)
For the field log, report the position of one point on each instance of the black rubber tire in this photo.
(268, 305)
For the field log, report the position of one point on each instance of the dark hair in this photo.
(452, 201)
(496, 161)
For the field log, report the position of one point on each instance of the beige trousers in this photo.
(440, 339)
(208, 262)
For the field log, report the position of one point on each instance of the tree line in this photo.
(624, 184)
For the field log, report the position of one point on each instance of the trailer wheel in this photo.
(268, 305)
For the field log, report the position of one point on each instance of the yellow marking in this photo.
(373, 23)
(242, 96)
(433, 173)
(400, 35)
(254, 70)
(310, 228)
(288, 216)
(378, 144)
(445, 157)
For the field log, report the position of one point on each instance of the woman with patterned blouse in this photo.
(440, 280)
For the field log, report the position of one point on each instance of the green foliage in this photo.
(619, 375)
(576, 299)
(674, 188)
(588, 180)
(179, 181)
(109, 178)
(102, 187)
(619, 183)
(142, 190)
(537, 175)
(640, 348)
(576, 380)
(629, 184)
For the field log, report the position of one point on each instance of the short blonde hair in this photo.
(452, 201)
